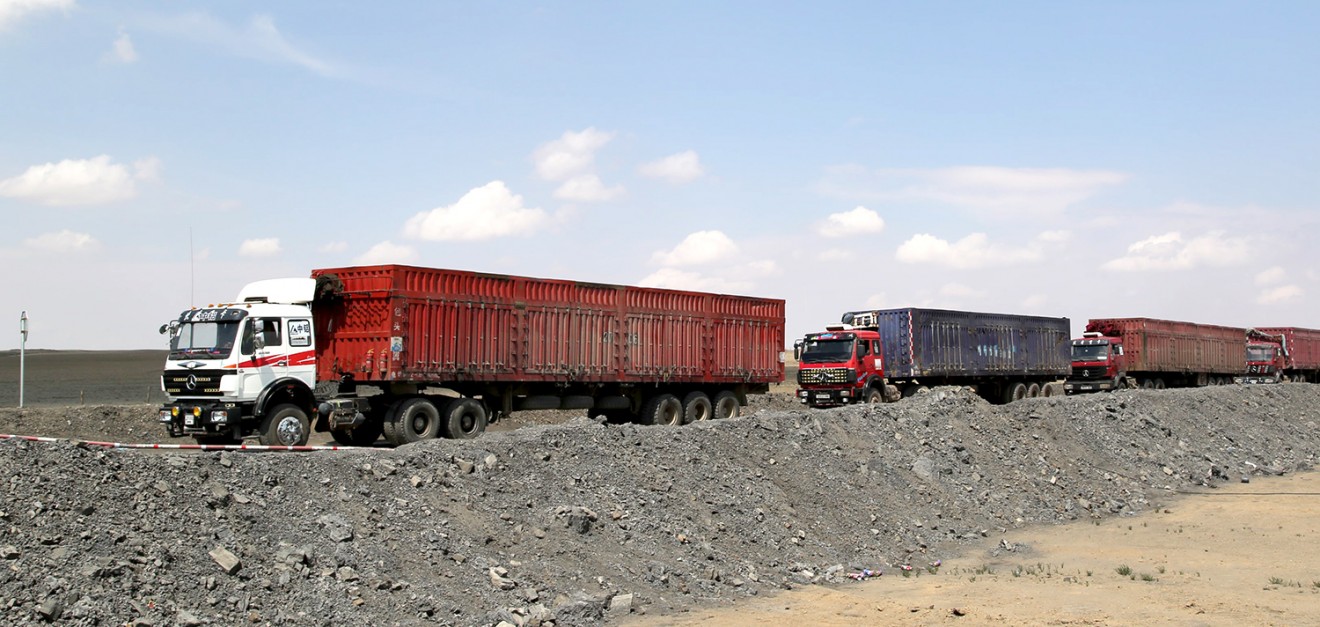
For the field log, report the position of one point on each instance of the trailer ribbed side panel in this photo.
(942, 343)
(403, 323)
(1303, 346)
(1151, 345)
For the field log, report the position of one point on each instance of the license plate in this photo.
(189, 420)
(822, 395)
(1086, 387)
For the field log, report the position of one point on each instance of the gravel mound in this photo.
(580, 523)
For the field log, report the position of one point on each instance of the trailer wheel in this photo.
(663, 409)
(364, 435)
(1159, 384)
(697, 407)
(1015, 392)
(726, 405)
(286, 425)
(414, 420)
(1047, 390)
(465, 418)
(1033, 390)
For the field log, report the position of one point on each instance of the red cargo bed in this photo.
(404, 323)
(1303, 346)
(1167, 346)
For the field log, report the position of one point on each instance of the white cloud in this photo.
(92, 181)
(973, 251)
(834, 254)
(675, 279)
(13, 10)
(701, 247)
(1280, 294)
(958, 290)
(683, 167)
(122, 50)
(65, 241)
(333, 247)
(265, 247)
(571, 155)
(1000, 190)
(1054, 237)
(485, 212)
(387, 252)
(260, 40)
(1270, 276)
(1170, 251)
(587, 188)
(859, 221)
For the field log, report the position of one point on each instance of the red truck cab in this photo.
(841, 366)
(1265, 357)
(1097, 364)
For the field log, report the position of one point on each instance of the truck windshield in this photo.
(204, 340)
(1257, 354)
(816, 351)
(1090, 352)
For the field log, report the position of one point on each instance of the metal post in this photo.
(22, 356)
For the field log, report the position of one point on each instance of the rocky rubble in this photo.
(583, 523)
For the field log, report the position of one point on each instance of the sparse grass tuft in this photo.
(1123, 570)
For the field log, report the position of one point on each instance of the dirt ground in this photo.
(1244, 554)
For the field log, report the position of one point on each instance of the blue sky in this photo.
(1145, 159)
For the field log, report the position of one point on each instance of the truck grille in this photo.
(823, 375)
(192, 383)
(1088, 373)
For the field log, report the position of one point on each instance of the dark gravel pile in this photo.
(582, 523)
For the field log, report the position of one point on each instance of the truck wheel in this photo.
(286, 425)
(364, 435)
(663, 409)
(726, 405)
(873, 396)
(1159, 384)
(416, 419)
(465, 418)
(1015, 392)
(1033, 390)
(697, 407)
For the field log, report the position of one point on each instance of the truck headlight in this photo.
(845, 393)
(220, 416)
(166, 415)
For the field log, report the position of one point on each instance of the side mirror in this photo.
(797, 349)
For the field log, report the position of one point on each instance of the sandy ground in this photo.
(1245, 554)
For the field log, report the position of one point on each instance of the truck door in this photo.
(264, 357)
(302, 354)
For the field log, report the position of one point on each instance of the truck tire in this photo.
(416, 419)
(697, 407)
(1033, 390)
(663, 409)
(726, 405)
(365, 434)
(1015, 392)
(465, 418)
(873, 397)
(285, 425)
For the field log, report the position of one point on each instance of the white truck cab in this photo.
(243, 368)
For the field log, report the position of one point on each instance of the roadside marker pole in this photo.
(185, 447)
(22, 356)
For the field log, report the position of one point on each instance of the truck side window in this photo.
(270, 332)
(862, 348)
(248, 344)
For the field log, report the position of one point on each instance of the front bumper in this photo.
(827, 397)
(200, 418)
(1084, 386)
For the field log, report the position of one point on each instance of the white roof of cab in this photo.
(289, 291)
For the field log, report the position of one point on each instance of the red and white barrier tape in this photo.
(187, 447)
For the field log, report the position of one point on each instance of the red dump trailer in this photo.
(1299, 354)
(1144, 352)
(415, 353)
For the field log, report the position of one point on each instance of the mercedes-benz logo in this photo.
(191, 384)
